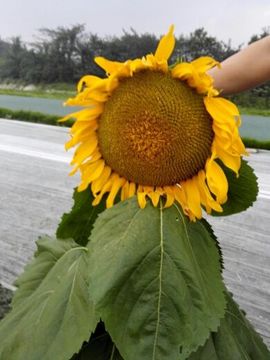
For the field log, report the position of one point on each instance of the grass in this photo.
(59, 91)
(59, 95)
(256, 144)
(34, 117)
(254, 111)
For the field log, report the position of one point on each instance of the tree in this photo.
(59, 50)
(265, 32)
(11, 67)
(199, 43)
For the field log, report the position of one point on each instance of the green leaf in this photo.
(78, 223)
(213, 236)
(155, 279)
(242, 190)
(57, 316)
(49, 251)
(236, 339)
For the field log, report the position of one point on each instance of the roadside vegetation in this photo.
(36, 117)
(54, 91)
(254, 111)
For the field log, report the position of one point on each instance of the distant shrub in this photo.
(34, 117)
(256, 144)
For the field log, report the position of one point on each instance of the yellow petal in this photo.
(98, 96)
(217, 181)
(98, 184)
(89, 114)
(168, 190)
(132, 189)
(203, 83)
(182, 71)
(81, 136)
(141, 199)
(107, 186)
(165, 46)
(108, 65)
(83, 186)
(169, 200)
(88, 81)
(233, 162)
(69, 117)
(180, 195)
(193, 196)
(79, 101)
(125, 191)
(141, 195)
(222, 110)
(80, 139)
(137, 65)
(79, 126)
(227, 106)
(94, 157)
(239, 147)
(85, 150)
(154, 196)
(117, 183)
(84, 115)
(150, 61)
(204, 63)
(206, 197)
(93, 171)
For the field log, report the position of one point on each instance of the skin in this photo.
(244, 70)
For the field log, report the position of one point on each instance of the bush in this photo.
(256, 144)
(34, 117)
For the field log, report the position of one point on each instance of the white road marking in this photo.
(37, 154)
(264, 194)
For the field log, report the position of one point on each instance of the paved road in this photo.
(35, 190)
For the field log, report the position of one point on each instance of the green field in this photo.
(254, 111)
(55, 91)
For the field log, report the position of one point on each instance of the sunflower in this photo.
(154, 131)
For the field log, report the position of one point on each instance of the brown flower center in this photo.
(155, 130)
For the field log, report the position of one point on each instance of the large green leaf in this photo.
(242, 192)
(235, 340)
(78, 223)
(155, 279)
(57, 316)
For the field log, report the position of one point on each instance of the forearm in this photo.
(246, 69)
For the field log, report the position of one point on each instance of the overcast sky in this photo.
(228, 19)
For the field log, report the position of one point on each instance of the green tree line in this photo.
(64, 54)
